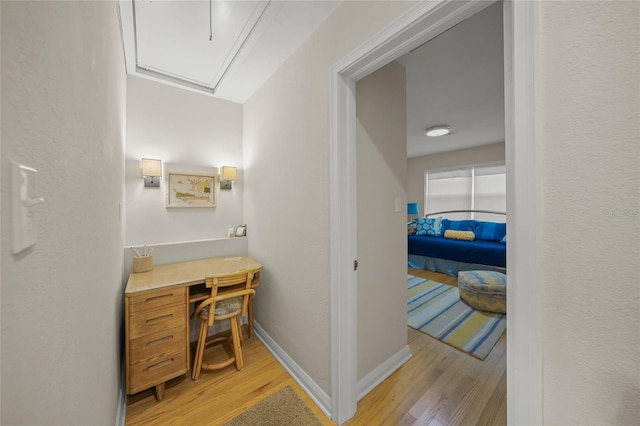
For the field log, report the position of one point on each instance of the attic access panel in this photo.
(172, 37)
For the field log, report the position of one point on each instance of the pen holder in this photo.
(142, 263)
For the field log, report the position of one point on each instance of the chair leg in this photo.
(237, 347)
(250, 318)
(202, 343)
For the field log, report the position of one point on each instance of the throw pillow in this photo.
(428, 226)
(490, 231)
(459, 225)
(460, 235)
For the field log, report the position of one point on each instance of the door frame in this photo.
(524, 195)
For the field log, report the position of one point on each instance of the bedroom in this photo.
(463, 169)
(481, 72)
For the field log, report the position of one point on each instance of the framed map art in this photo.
(191, 190)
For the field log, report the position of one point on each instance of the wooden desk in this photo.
(156, 310)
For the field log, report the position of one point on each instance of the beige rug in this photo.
(284, 407)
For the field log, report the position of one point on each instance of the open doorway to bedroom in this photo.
(421, 23)
(455, 79)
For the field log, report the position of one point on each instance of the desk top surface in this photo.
(188, 273)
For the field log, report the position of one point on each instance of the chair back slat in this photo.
(231, 279)
(236, 279)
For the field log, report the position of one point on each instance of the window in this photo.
(482, 187)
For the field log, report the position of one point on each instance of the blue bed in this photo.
(478, 252)
(430, 249)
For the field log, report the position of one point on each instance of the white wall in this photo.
(380, 181)
(189, 132)
(286, 159)
(590, 180)
(464, 157)
(590, 106)
(63, 112)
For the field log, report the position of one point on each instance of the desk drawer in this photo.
(157, 299)
(156, 370)
(156, 321)
(160, 343)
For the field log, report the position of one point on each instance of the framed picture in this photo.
(241, 231)
(191, 190)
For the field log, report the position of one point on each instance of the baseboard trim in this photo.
(121, 408)
(381, 372)
(315, 392)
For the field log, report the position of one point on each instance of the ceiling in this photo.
(457, 79)
(454, 79)
(227, 49)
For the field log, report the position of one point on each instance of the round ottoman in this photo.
(484, 290)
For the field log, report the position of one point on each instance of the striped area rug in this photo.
(437, 310)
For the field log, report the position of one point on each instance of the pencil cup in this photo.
(142, 263)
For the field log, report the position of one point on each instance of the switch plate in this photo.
(398, 208)
(23, 186)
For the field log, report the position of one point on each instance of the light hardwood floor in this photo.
(439, 386)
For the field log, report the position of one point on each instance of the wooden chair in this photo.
(224, 303)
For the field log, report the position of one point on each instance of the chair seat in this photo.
(224, 309)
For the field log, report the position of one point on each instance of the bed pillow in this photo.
(490, 231)
(429, 226)
(460, 235)
(459, 225)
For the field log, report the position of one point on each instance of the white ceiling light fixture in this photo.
(439, 130)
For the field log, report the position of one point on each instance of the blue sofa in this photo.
(472, 245)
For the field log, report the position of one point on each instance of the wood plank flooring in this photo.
(440, 385)
(217, 396)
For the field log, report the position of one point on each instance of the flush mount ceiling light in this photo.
(439, 130)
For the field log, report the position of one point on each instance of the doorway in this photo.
(421, 23)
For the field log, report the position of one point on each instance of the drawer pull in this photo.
(160, 364)
(164, 296)
(162, 340)
(159, 319)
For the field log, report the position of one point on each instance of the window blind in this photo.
(481, 187)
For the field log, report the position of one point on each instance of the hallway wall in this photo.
(286, 202)
(63, 113)
(590, 104)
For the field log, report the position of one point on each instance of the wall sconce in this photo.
(228, 174)
(151, 172)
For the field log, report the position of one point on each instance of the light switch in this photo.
(23, 188)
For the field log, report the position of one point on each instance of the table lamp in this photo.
(412, 209)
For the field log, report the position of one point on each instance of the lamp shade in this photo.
(228, 173)
(151, 167)
(412, 208)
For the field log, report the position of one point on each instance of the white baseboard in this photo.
(314, 391)
(381, 372)
(121, 411)
(121, 408)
